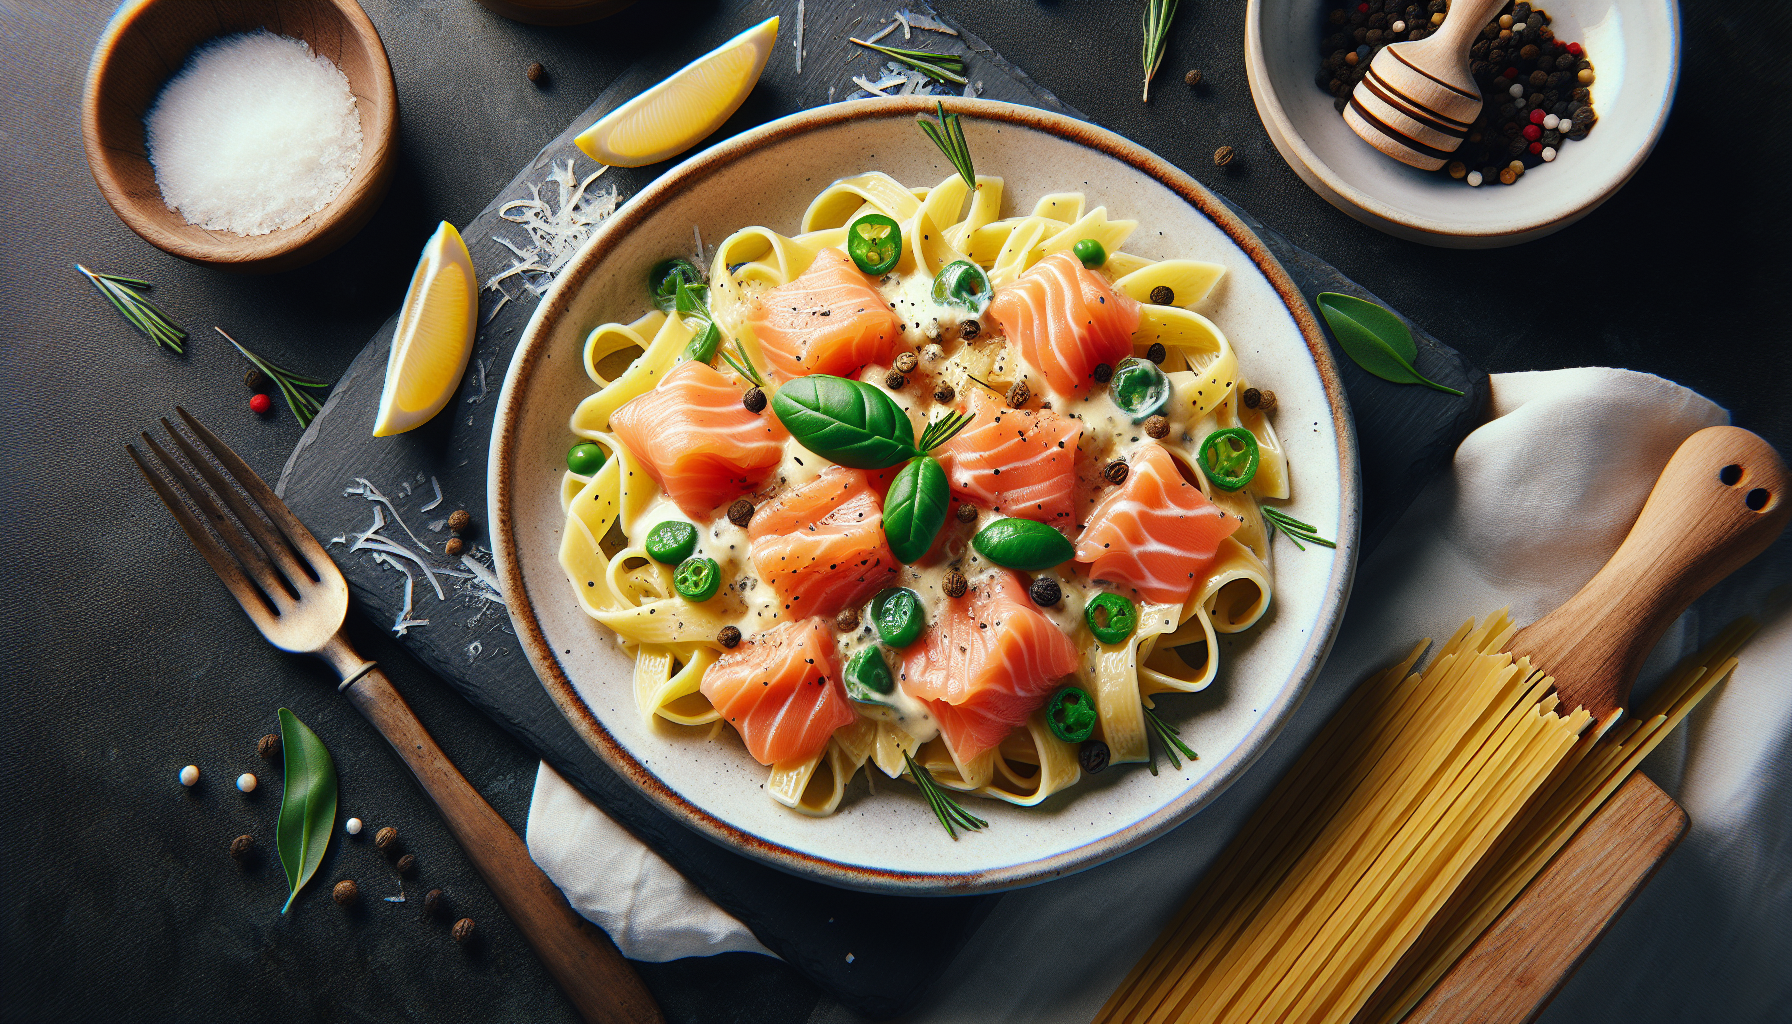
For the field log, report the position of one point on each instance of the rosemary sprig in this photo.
(949, 136)
(942, 430)
(124, 293)
(1169, 736)
(941, 67)
(1158, 14)
(947, 809)
(744, 364)
(1294, 529)
(302, 404)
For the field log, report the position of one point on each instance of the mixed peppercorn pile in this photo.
(1536, 90)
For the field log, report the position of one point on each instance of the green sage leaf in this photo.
(915, 509)
(1375, 338)
(845, 421)
(1023, 544)
(308, 805)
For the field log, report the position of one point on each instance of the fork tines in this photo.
(264, 555)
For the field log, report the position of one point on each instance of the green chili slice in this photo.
(899, 616)
(697, 579)
(1139, 388)
(671, 542)
(1071, 715)
(874, 242)
(665, 277)
(1111, 618)
(585, 458)
(1229, 458)
(868, 676)
(963, 283)
(1091, 252)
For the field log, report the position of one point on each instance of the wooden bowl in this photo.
(148, 41)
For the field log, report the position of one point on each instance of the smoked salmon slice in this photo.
(1064, 321)
(821, 547)
(1156, 533)
(990, 660)
(781, 691)
(829, 320)
(1016, 462)
(697, 439)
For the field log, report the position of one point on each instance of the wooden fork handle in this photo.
(600, 983)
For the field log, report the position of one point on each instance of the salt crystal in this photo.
(254, 134)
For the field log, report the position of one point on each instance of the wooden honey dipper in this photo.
(1418, 99)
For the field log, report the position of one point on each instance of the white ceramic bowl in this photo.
(889, 841)
(1635, 48)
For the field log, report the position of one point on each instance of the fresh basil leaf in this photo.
(664, 278)
(868, 678)
(1375, 338)
(1023, 544)
(915, 509)
(691, 299)
(308, 805)
(702, 348)
(845, 421)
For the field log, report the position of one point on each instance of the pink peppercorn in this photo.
(1574, 48)
(260, 405)
(1536, 148)
(1510, 72)
(1533, 132)
(1362, 8)
(1538, 115)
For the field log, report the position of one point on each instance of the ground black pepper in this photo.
(1103, 373)
(1116, 472)
(754, 400)
(954, 584)
(967, 512)
(1157, 353)
(1093, 756)
(1163, 295)
(740, 513)
(1045, 592)
(907, 361)
(944, 393)
(895, 381)
(729, 637)
(969, 329)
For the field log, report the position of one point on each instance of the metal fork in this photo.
(282, 577)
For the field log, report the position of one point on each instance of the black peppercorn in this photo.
(536, 72)
(954, 584)
(1045, 592)
(907, 361)
(256, 380)
(1103, 373)
(847, 620)
(944, 393)
(754, 400)
(895, 381)
(406, 863)
(432, 902)
(1116, 472)
(740, 513)
(1194, 74)
(463, 929)
(242, 847)
(345, 893)
(967, 512)
(454, 547)
(1163, 295)
(969, 329)
(385, 838)
(729, 637)
(1093, 756)
(1157, 353)
(459, 520)
(269, 746)
(1018, 395)
(1222, 156)
(1157, 427)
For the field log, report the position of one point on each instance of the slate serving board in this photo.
(899, 944)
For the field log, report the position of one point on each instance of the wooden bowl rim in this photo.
(283, 247)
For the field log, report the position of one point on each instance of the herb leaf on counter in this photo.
(308, 805)
(1158, 14)
(303, 405)
(1376, 339)
(941, 67)
(845, 421)
(125, 295)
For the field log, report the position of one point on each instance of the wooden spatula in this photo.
(1418, 99)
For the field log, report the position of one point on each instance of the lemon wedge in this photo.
(434, 337)
(683, 110)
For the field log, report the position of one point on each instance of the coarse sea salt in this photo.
(254, 134)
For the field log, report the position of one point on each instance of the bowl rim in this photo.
(504, 457)
(1376, 213)
(282, 248)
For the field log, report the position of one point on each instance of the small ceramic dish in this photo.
(889, 841)
(1635, 47)
(146, 43)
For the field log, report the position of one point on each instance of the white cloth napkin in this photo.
(1536, 501)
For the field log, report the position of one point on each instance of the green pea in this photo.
(868, 676)
(1111, 618)
(1023, 544)
(899, 616)
(1139, 388)
(697, 579)
(585, 458)
(1071, 715)
(1091, 252)
(671, 542)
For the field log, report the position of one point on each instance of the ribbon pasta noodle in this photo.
(678, 642)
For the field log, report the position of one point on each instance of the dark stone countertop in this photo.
(125, 661)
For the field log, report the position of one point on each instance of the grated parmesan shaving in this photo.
(973, 90)
(503, 298)
(922, 21)
(876, 89)
(483, 390)
(433, 482)
(486, 576)
(365, 489)
(435, 526)
(882, 32)
(702, 256)
(555, 232)
(799, 36)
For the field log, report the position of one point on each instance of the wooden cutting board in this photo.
(899, 944)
